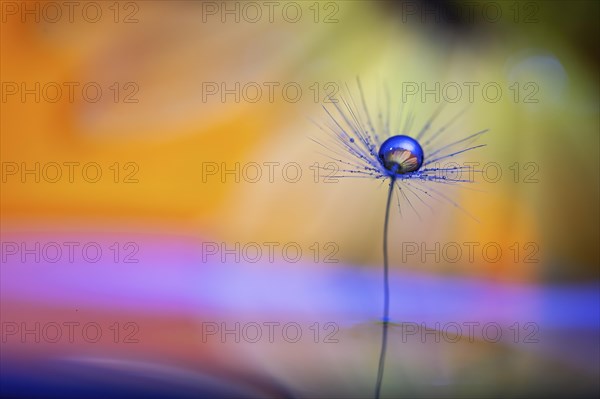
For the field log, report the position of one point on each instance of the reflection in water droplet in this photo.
(401, 154)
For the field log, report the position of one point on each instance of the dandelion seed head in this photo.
(365, 148)
(400, 155)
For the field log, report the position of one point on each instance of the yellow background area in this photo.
(171, 133)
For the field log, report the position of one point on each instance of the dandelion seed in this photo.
(409, 162)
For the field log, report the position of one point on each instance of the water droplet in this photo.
(401, 154)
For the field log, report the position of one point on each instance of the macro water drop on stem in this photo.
(398, 155)
(400, 160)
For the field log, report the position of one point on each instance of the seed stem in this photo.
(386, 291)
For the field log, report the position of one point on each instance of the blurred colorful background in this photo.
(166, 233)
